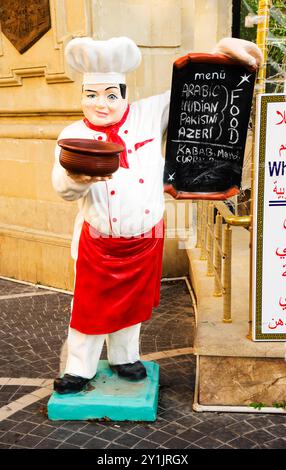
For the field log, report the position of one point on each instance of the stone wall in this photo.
(240, 381)
(40, 95)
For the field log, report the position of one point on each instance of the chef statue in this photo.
(118, 235)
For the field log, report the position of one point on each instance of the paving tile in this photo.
(189, 421)
(277, 419)
(224, 435)
(128, 440)
(13, 288)
(7, 425)
(159, 437)
(48, 443)
(11, 437)
(193, 446)
(174, 428)
(191, 435)
(171, 415)
(22, 415)
(176, 443)
(259, 436)
(206, 427)
(208, 443)
(25, 427)
(145, 444)
(71, 425)
(78, 439)
(278, 430)
(159, 423)
(42, 431)
(225, 446)
(96, 443)
(241, 428)
(4, 446)
(222, 420)
(260, 421)
(110, 434)
(64, 445)
(8, 388)
(141, 431)
(29, 441)
(113, 445)
(61, 434)
(276, 444)
(93, 430)
(36, 419)
(241, 443)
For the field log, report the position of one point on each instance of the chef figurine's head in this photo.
(103, 64)
(104, 104)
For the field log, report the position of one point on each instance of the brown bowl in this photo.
(89, 157)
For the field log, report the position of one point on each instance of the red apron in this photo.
(117, 280)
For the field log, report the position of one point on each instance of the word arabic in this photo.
(283, 118)
(282, 147)
(277, 323)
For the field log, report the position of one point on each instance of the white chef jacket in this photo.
(132, 202)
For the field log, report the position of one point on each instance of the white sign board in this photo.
(269, 224)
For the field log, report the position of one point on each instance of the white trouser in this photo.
(84, 350)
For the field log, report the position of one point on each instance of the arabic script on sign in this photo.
(282, 117)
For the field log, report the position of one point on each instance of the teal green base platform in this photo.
(108, 396)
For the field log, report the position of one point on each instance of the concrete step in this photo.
(215, 338)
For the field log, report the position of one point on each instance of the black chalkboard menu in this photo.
(210, 106)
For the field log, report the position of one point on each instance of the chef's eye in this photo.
(112, 97)
(91, 95)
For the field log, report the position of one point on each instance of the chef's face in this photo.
(103, 104)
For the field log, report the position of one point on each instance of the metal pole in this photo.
(217, 255)
(203, 231)
(261, 41)
(227, 275)
(210, 238)
(199, 224)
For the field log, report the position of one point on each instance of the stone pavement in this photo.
(33, 330)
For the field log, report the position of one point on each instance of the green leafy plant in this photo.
(257, 405)
(280, 405)
(276, 64)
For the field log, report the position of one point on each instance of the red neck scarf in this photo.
(112, 135)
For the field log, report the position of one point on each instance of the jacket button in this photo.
(114, 219)
(112, 193)
(141, 181)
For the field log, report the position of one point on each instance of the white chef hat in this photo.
(103, 61)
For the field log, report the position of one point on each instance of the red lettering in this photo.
(283, 118)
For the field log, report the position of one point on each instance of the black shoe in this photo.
(69, 384)
(135, 371)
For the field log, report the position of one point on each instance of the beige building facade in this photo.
(40, 95)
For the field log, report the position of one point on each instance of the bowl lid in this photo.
(90, 146)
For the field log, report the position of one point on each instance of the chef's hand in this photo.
(245, 51)
(85, 179)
